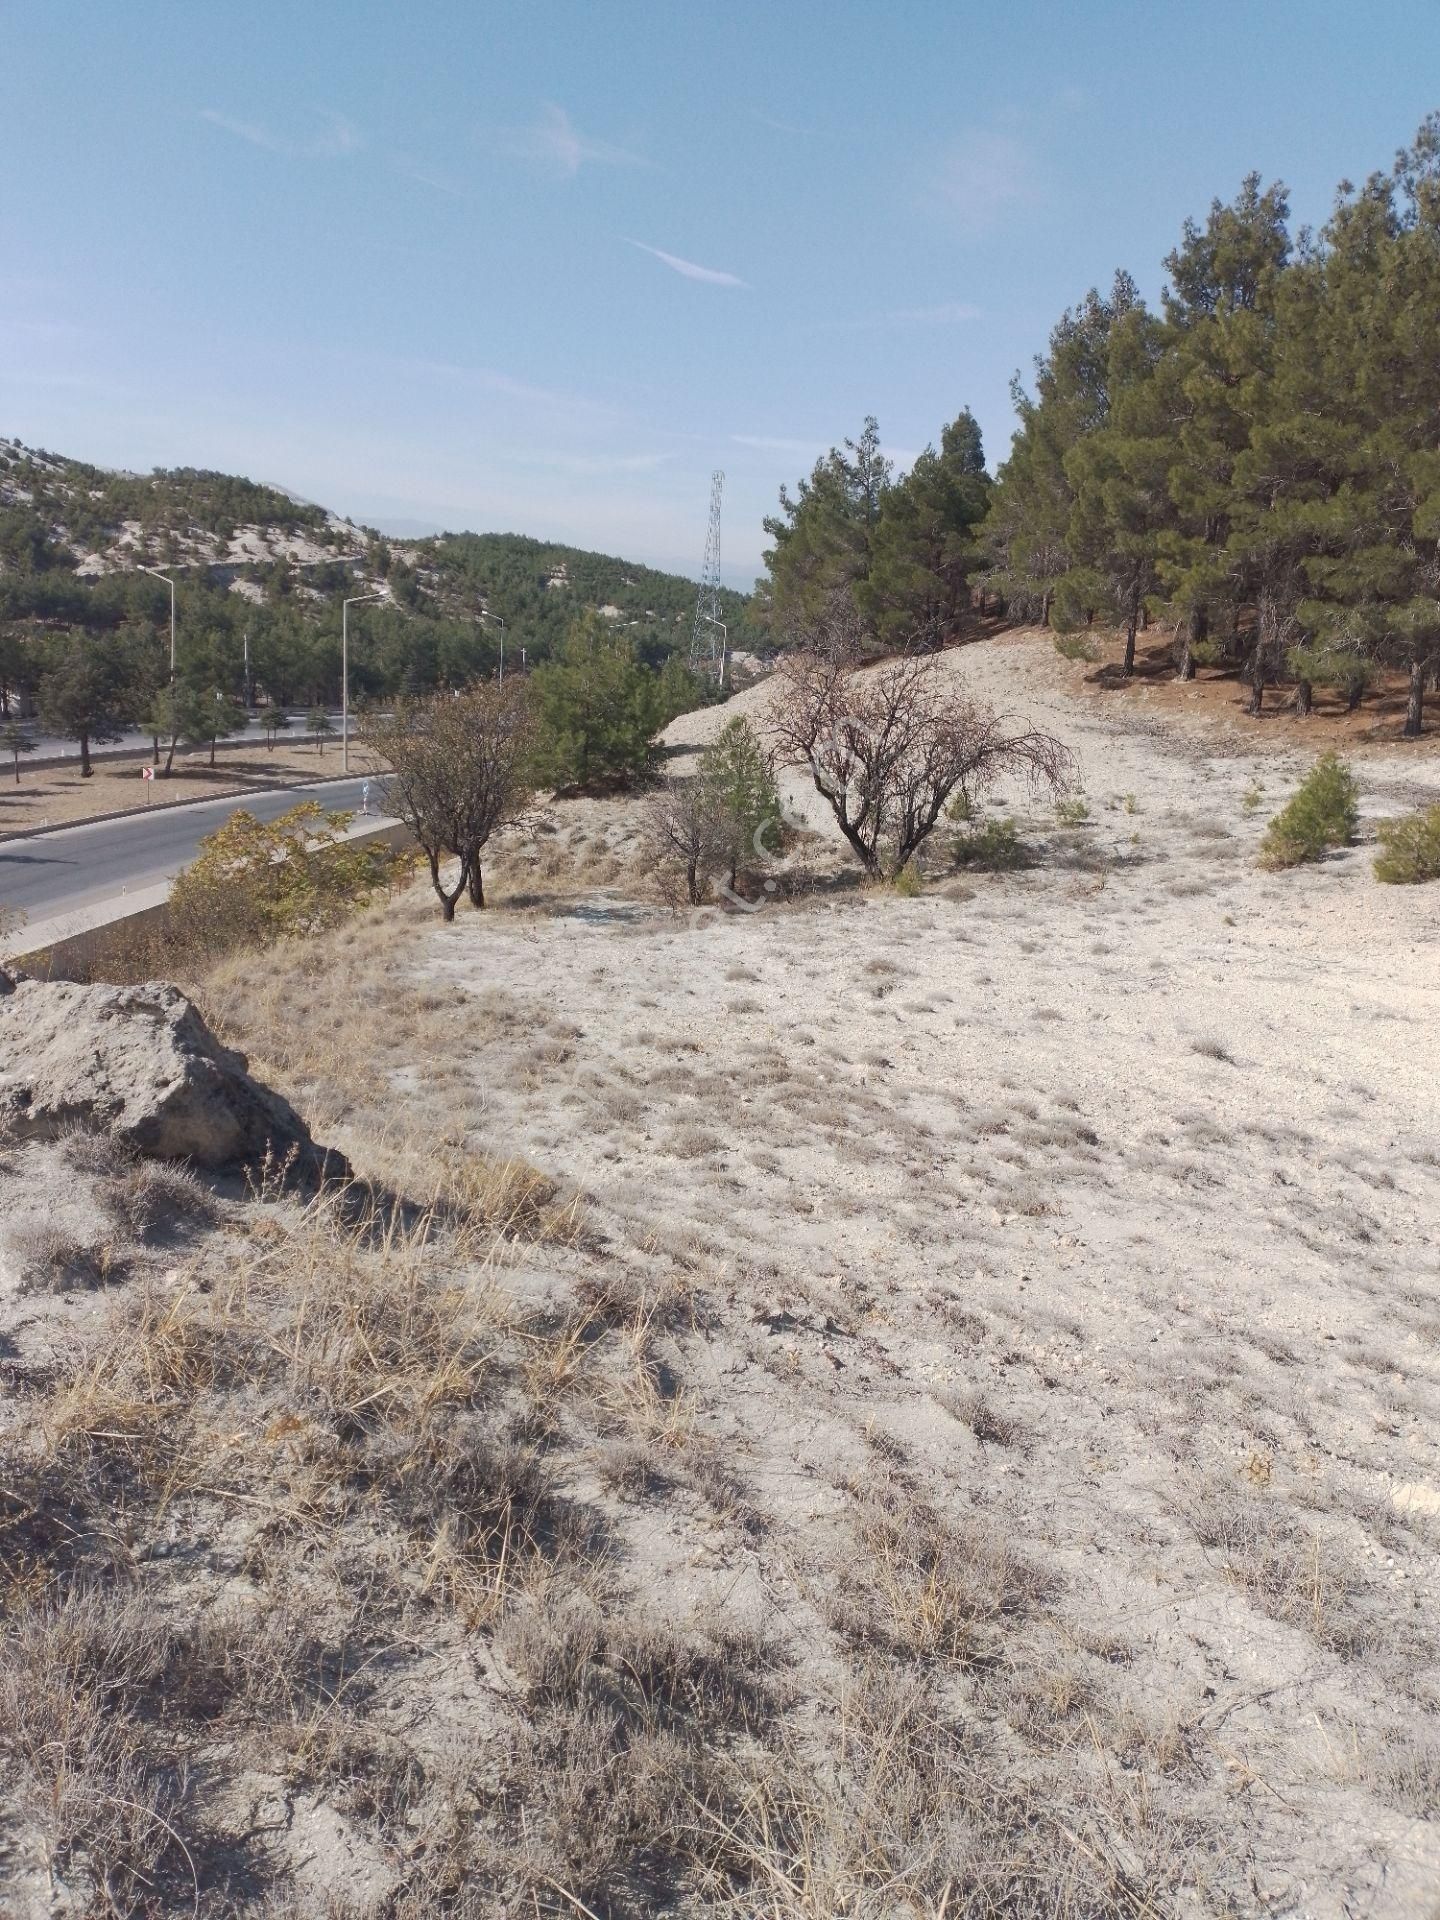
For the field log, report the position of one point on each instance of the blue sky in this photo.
(541, 267)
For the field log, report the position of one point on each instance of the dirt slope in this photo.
(1004, 1329)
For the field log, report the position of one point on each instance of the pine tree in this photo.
(1118, 474)
(1027, 532)
(15, 740)
(925, 548)
(597, 707)
(1377, 578)
(86, 694)
(823, 533)
(738, 775)
(1219, 307)
(207, 714)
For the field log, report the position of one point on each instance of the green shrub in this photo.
(907, 882)
(994, 848)
(1074, 646)
(738, 772)
(257, 881)
(1073, 812)
(597, 705)
(1409, 848)
(1322, 814)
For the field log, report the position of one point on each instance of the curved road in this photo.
(53, 873)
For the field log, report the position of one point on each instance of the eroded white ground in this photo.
(1109, 1193)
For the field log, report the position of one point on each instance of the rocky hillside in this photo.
(60, 516)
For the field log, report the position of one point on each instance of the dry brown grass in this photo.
(920, 1498)
(930, 1586)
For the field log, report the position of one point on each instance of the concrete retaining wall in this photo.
(76, 945)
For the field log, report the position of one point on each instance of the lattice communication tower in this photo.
(707, 640)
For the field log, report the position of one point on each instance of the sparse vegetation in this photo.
(995, 846)
(1323, 814)
(1409, 849)
(774, 1422)
(1072, 810)
(887, 749)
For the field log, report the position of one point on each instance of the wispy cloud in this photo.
(332, 139)
(769, 443)
(426, 176)
(903, 458)
(780, 126)
(985, 175)
(951, 313)
(555, 142)
(595, 465)
(573, 407)
(712, 276)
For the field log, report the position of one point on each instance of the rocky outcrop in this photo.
(141, 1064)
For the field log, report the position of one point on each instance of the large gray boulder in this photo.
(141, 1064)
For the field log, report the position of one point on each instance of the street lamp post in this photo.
(155, 574)
(724, 643)
(345, 606)
(485, 614)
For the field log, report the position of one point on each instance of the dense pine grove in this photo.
(1256, 465)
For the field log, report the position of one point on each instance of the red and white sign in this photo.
(147, 773)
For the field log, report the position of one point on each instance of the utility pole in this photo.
(157, 575)
(485, 614)
(345, 606)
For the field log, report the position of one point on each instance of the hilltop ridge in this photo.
(253, 559)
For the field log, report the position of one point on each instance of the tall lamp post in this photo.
(485, 614)
(345, 606)
(724, 644)
(155, 574)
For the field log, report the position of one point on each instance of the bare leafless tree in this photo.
(887, 746)
(688, 836)
(458, 772)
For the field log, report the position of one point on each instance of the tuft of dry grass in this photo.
(930, 1585)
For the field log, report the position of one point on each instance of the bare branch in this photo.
(887, 747)
(687, 835)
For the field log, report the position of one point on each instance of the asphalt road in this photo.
(52, 873)
(52, 747)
